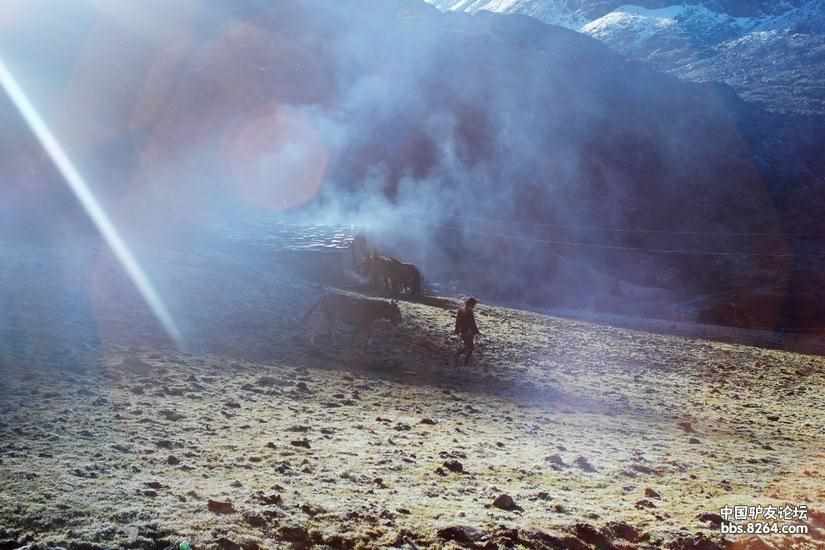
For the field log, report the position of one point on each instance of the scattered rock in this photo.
(591, 535)
(454, 466)
(556, 460)
(271, 499)
(534, 538)
(715, 520)
(642, 469)
(405, 538)
(172, 416)
(339, 542)
(584, 465)
(295, 535)
(643, 504)
(452, 454)
(254, 519)
(312, 510)
(696, 542)
(650, 493)
(224, 543)
(428, 421)
(505, 537)
(301, 429)
(172, 460)
(622, 530)
(300, 443)
(219, 507)
(461, 534)
(572, 543)
(506, 502)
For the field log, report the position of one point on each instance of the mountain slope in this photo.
(547, 168)
(771, 53)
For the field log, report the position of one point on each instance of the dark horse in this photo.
(406, 278)
(393, 275)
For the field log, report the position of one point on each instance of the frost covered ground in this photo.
(563, 434)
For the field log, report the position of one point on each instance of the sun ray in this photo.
(89, 202)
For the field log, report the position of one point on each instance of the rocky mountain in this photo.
(534, 160)
(772, 53)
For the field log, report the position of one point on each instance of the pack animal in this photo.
(406, 278)
(354, 310)
(380, 270)
(393, 275)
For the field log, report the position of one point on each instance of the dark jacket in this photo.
(465, 322)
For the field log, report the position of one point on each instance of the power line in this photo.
(643, 230)
(622, 247)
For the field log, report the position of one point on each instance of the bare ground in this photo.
(602, 437)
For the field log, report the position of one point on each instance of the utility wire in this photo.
(621, 247)
(643, 230)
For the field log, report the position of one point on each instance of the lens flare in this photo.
(277, 158)
(89, 202)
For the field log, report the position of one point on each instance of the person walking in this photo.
(466, 328)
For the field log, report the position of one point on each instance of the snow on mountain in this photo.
(683, 22)
(771, 53)
(554, 12)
